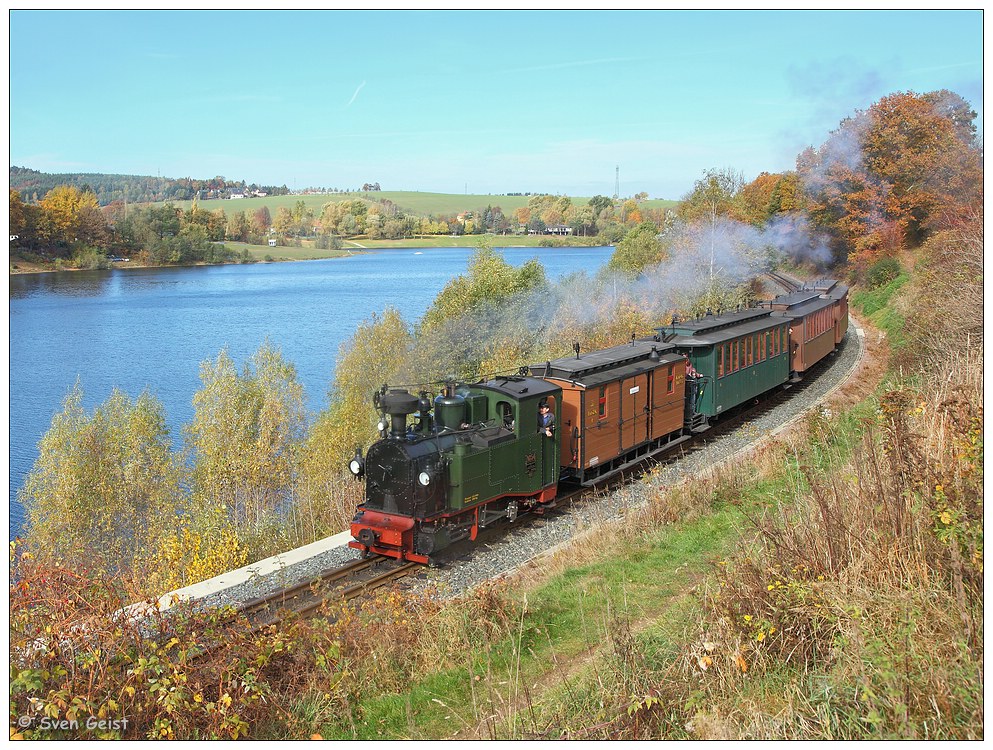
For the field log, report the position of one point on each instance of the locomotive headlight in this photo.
(382, 425)
(424, 478)
(357, 465)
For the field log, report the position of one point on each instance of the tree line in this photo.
(34, 186)
(69, 224)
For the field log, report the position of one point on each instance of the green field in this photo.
(420, 204)
(259, 252)
(309, 252)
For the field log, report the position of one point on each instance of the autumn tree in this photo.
(923, 147)
(238, 227)
(712, 195)
(283, 223)
(245, 437)
(755, 199)
(105, 488)
(787, 195)
(641, 248)
(261, 220)
(887, 174)
(373, 356)
(71, 215)
(216, 224)
(17, 219)
(489, 278)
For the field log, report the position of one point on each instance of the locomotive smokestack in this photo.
(398, 403)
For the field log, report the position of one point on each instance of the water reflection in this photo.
(61, 283)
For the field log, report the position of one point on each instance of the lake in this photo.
(140, 329)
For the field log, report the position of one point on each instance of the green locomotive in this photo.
(472, 456)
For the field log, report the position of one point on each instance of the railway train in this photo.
(446, 467)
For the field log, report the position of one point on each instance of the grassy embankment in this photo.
(829, 586)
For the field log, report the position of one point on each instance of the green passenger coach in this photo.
(738, 356)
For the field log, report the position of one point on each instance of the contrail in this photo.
(355, 95)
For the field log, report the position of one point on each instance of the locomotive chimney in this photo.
(398, 403)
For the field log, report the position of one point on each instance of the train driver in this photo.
(546, 420)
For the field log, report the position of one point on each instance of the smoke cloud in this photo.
(710, 265)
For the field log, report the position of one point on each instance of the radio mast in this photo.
(617, 181)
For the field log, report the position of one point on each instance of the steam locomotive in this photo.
(448, 466)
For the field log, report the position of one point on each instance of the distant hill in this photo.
(34, 185)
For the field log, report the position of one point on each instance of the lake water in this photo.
(140, 329)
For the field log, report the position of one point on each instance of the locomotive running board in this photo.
(635, 461)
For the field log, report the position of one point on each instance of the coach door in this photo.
(634, 411)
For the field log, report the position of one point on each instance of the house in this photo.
(233, 196)
(559, 229)
(272, 242)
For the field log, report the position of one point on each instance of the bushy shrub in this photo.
(81, 669)
(882, 271)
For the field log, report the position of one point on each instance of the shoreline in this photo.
(357, 249)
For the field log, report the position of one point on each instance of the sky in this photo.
(560, 102)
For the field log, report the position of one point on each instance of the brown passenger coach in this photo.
(618, 405)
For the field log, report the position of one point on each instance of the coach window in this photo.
(670, 385)
(602, 412)
(720, 361)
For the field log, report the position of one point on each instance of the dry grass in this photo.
(872, 579)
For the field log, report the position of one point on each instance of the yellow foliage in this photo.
(105, 486)
(245, 435)
(191, 555)
(62, 209)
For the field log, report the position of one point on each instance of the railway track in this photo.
(347, 582)
(789, 284)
